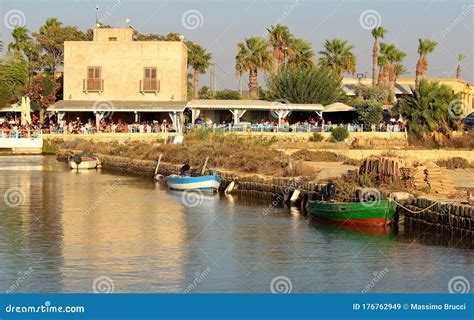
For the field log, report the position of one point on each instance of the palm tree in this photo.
(427, 108)
(394, 56)
(425, 47)
(382, 63)
(199, 60)
(280, 39)
(50, 22)
(253, 55)
(377, 32)
(338, 56)
(20, 37)
(300, 54)
(458, 69)
(398, 70)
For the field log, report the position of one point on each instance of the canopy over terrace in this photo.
(239, 107)
(339, 112)
(102, 108)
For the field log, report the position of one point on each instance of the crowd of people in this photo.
(309, 125)
(12, 126)
(108, 126)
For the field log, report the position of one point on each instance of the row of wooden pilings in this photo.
(444, 215)
(296, 192)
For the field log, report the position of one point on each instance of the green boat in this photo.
(376, 213)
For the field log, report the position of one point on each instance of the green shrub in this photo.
(304, 85)
(369, 111)
(430, 108)
(380, 93)
(339, 134)
(227, 95)
(317, 137)
(49, 148)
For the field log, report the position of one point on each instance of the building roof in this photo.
(251, 105)
(338, 107)
(15, 107)
(349, 89)
(117, 105)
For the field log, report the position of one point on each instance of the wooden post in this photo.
(158, 164)
(204, 166)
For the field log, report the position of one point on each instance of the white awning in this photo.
(338, 107)
(251, 105)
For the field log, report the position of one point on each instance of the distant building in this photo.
(403, 87)
(133, 80)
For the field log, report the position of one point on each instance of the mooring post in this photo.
(204, 166)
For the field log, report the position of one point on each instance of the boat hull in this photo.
(203, 183)
(88, 162)
(376, 213)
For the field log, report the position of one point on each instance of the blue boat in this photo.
(203, 183)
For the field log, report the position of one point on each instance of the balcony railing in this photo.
(149, 85)
(93, 85)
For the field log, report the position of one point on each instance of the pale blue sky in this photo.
(224, 23)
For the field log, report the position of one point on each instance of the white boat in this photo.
(203, 183)
(82, 162)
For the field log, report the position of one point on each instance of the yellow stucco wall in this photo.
(122, 63)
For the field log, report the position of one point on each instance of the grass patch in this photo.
(455, 163)
(49, 148)
(317, 156)
(225, 151)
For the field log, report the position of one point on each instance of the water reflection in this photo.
(73, 227)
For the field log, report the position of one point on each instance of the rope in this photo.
(399, 204)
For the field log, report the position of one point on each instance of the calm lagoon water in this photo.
(66, 231)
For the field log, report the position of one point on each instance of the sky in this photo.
(219, 25)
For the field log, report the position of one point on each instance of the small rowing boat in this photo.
(82, 162)
(202, 183)
(375, 213)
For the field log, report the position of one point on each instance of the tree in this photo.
(301, 54)
(304, 85)
(52, 43)
(394, 56)
(369, 111)
(199, 60)
(227, 95)
(338, 56)
(157, 37)
(427, 109)
(458, 69)
(24, 44)
(253, 55)
(50, 22)
(425, 47)
(382, 62)
(42, 92)
(204, 93)
(13, 78)
(377, 32)
(280, 39)
(398, 70)
(20, 36)
(390, 55)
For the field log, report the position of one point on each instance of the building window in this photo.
(94, 80)
(150, 81)
(112, 38)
